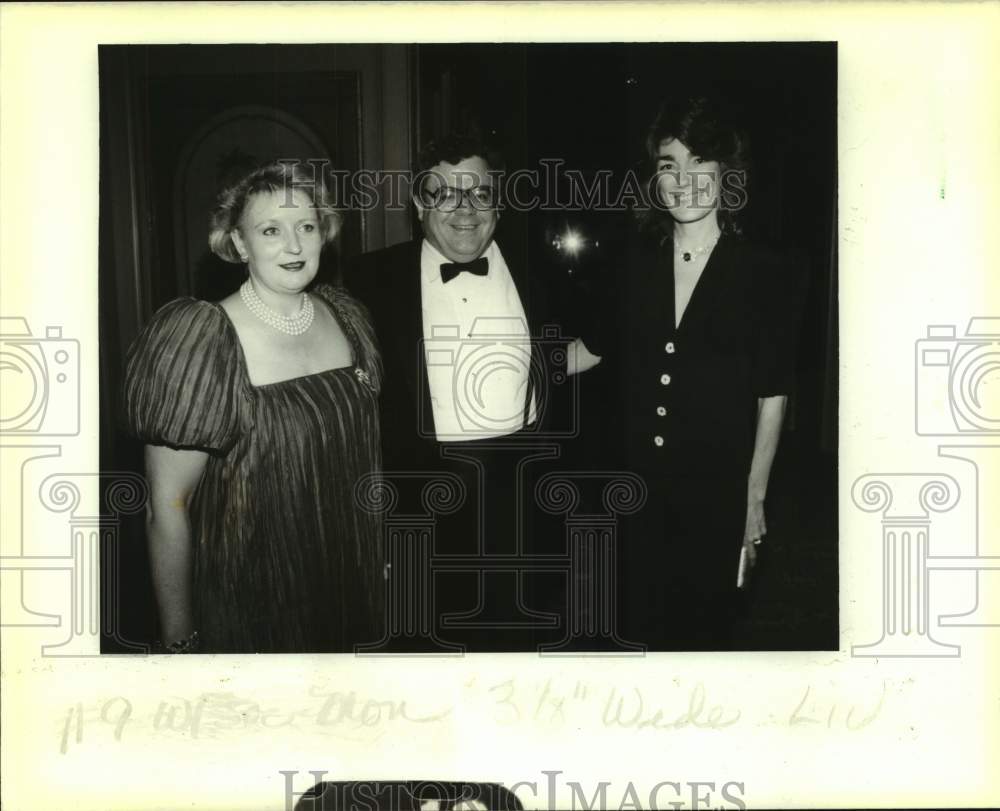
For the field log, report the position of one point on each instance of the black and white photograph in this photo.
(458, 347)
(498, 405)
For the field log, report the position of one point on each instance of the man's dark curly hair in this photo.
(455, 147)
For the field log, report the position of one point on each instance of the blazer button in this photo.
(658, 441)
(661, 411)
(669, 347)
(665, 380)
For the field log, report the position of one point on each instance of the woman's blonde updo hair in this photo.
(281, 177)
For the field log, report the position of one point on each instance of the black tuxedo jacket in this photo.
(388, 283)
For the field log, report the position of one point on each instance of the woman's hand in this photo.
(770, 414)
(756, 528)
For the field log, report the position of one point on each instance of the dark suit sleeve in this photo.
(594, 312)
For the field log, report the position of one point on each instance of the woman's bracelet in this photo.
(188, 644)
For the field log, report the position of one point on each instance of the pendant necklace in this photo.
(691, 253)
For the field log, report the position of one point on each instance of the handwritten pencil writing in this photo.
(631, 711)
(508, 702)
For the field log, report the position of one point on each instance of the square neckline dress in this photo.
(284, 558)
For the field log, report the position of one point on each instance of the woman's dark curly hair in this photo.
(705, 128)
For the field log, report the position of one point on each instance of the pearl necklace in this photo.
(688, 255)
(290, 325)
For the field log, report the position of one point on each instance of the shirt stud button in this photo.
(665, 380)
(658, 441)
(661, 411)
(670, 347)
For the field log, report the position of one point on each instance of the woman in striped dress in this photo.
(259, 414)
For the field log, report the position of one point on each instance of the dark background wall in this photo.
(588, 105)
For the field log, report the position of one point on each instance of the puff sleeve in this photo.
(182, 379)
(780, 299)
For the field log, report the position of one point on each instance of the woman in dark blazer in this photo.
(699, 342)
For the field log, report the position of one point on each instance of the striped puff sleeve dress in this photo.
(285, 559)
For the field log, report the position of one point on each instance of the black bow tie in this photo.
(478, 267)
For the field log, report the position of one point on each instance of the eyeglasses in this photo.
(448, 198)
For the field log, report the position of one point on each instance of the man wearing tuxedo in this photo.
(458, 322)
(451, 292)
